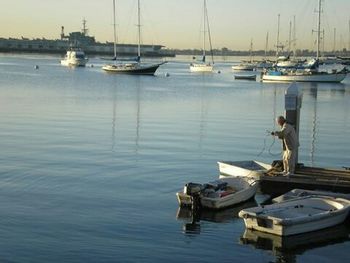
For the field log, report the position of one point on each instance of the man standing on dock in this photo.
(290, 144)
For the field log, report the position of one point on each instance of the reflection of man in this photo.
(290, 144)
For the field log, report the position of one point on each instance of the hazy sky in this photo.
(177, 23)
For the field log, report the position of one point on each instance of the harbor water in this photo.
(90, 162)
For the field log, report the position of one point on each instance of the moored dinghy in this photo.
(297, 216)
(249, 168)
(221, 193)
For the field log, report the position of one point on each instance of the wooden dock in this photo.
(311, 178)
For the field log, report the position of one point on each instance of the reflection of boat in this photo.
(224, 192)
(245, 77)
(243, 168)
(297, 216)
(134, 67)
(74, 58)
(186, 214)
(204, 66)
(297, 243)
(296, 193)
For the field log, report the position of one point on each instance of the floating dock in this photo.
(311, 178)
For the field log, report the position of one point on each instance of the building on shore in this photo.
(81, 40)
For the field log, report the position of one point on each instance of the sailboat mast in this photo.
(266, 44)
(319, 29)
(204, 27)
(115, 33)
(278, 35)
(290, 37)
(251, 50)
(294, 38)
(139, 30)
(334, 39)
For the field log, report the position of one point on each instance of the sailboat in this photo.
(204, 66)
(246, 65)
(310, 70)
(133, 67)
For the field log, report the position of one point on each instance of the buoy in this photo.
(219, 71)
(92, 65)
(166, 74)
(36, 67)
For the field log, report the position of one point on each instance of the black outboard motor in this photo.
(194, 190)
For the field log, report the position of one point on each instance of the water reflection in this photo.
(285, 249)
(192, 218)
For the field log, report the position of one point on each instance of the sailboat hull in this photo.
(327, 77)
(136, 69)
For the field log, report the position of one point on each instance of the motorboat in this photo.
(134, 66)
(74, 58)
(297, 193)
(221, 193)
(204, 66)
(245, 77)
(301, 215)
(249, 168)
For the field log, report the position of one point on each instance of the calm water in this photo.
(90, 162)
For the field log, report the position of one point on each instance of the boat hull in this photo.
(337, 77)
(134, 70)
(297, 216)
(74, 62)
(243, 168)
(201, 67)
(232, 199)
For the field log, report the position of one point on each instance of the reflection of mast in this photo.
(314, 123)
(114, 117)
(203, 116)
(138, 110)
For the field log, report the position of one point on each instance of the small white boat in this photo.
(297, 193)
(297, 216)
(74, 58)
(243, 168)
(224, 192)
(244, 67)
(201, 67)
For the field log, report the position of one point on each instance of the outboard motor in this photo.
(194, 190)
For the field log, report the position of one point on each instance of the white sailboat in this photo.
(133, 67)
(246, 65)
(308, 74)
(204, 66)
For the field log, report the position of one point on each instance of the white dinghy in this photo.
(297, 193)
(297, 216)
(243, 168)
(222, 193)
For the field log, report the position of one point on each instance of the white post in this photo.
(293, 100)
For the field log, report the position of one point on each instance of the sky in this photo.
(177, 23)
